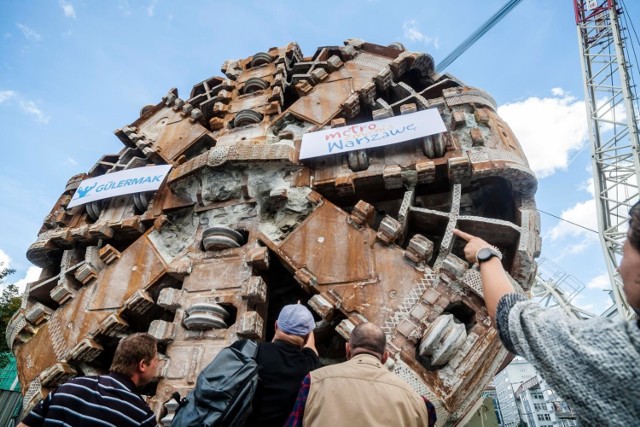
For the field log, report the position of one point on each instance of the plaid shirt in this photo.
(295, 418)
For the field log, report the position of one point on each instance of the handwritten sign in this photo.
(372, 134)
(128, 181)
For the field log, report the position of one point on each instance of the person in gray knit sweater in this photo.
(592, 364)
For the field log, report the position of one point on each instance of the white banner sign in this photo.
(372, 134)
(128, 181)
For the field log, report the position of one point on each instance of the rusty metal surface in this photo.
(241, 227)
(318, 245)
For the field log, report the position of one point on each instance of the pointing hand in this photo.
(474, 244)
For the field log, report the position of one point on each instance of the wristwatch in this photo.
(486, 253)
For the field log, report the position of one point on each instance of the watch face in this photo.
(484, 254)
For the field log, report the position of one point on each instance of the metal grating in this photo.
(407, 374)
(408, 303)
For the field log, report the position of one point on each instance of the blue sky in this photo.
(71, 72)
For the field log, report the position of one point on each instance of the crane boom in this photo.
(612, 127)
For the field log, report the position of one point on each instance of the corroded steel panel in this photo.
(332, 250)
(241, 227)
(321, 105)
(217, 274)
(138, 267)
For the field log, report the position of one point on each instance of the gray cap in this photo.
(296, 319)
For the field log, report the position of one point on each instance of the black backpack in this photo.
(224, 390)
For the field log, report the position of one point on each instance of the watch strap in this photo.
(495, 252)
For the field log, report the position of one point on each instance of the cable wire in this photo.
(565, 220)
(469, 41)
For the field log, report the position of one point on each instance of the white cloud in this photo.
(33, 274)
(589, 186)
(548, 129)
(7, 36)
(68, 9)
(593, 302)
(25, 105)
(579, 246)
(31, 108)
(72, 162)
(600, 282)
(124, 7)
(583, 214)
(411, 32)
(5, 95)
(579, 237)
(580, 301)
(151, 7)
(29, 33)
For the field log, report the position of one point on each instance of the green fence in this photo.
(9, 373)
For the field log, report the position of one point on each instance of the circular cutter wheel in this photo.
(261, 58)
(397, 46)
(94, 209)
(141, 201)
(247, 117)
(241, 226)
(254, 84)
(434, 146)
(215, 238)
(358, 160)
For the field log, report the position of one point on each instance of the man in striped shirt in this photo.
(106, 400)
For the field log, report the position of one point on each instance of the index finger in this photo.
(462, 234)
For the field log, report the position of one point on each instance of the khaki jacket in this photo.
(361, 392)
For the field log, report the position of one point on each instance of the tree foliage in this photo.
(4, 272)
(9, 303)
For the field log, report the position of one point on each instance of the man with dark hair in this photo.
(592, 364)
(282, 364)
(361, 390)
(106, 400)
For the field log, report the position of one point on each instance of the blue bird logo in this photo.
(83, 191)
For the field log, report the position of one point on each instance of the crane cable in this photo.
(477, 34)
(566, 220)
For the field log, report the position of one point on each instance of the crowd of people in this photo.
(592, 364)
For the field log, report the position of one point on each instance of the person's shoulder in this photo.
(328, 371)
(117, 383)
(85, 378)
(78, 386)
(341, 369)
(87, 381)
(309, 353)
